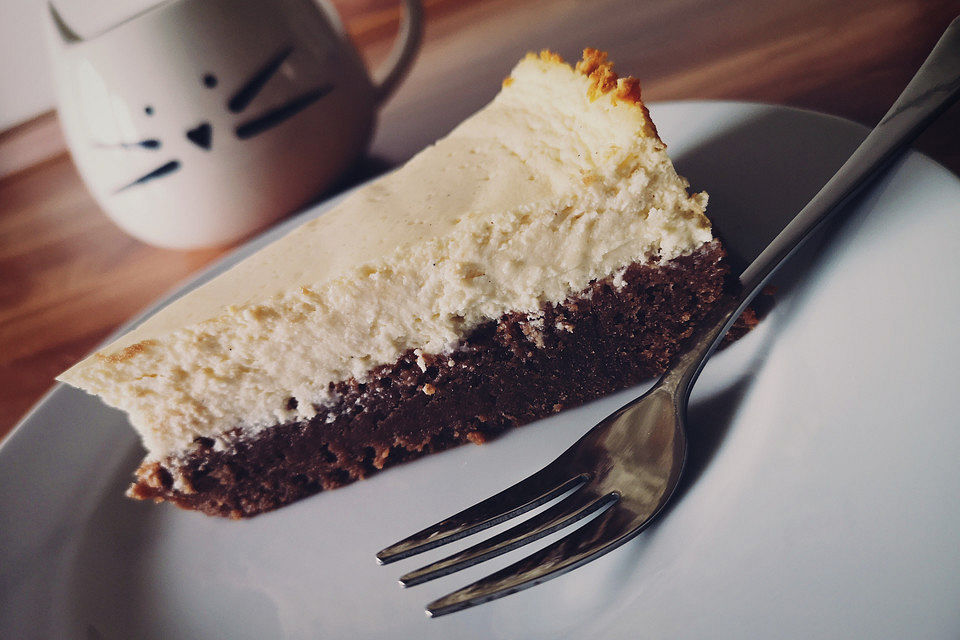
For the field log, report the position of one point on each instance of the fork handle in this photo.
(930, 92)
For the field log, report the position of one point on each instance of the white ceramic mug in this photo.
(197, 122)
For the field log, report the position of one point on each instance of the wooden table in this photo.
(68, 277)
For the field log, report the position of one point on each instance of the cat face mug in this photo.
(198, 122)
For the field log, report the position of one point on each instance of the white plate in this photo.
(820, 500)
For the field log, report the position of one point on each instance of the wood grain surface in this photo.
(68, 277)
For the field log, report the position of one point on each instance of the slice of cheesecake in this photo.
(543, 254)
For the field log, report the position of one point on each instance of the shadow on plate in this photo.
(755, 190)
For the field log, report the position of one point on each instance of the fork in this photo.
(628, 465)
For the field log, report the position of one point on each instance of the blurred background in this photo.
(69, 277)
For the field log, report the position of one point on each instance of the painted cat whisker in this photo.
(151, 144)
(160, 171)
(280, 114)
(252, 87)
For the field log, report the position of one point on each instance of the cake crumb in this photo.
(429, 389)
(533, 329)
(476, 437)
(182, 484)
(618, 281)
(153, 475)
(380, 459)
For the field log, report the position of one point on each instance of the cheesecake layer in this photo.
(560, 182)
(617, 332)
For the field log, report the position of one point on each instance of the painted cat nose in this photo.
(201, 135)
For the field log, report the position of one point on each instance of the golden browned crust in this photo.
(595, 66)
(549, 56)
(604, 80)
(127, 352)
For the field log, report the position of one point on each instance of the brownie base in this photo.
(616, 333)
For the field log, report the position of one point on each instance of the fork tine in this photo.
(579, 505)
(607, 531)
(529, 493)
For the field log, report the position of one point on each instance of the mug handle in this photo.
(404, 50)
